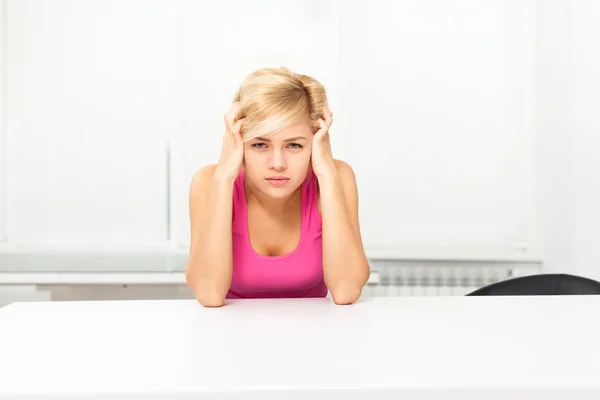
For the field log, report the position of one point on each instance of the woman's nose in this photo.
(277, 161)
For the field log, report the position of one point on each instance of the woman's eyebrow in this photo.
(294, 139)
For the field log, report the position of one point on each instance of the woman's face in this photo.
(277, 165)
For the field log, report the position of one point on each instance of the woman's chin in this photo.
(279, 191)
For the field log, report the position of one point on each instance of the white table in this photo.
(447, 348)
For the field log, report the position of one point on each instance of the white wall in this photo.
(585, 130)
(568, 141)
(554, 141)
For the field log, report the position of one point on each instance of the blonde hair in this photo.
(272, 98)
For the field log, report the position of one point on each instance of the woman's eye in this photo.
(294, 146)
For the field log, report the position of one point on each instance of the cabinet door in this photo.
(3, 163)
(87, 115)
(442, 127)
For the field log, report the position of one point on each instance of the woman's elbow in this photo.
(206, 296)
(215, 301)
(210, 298)
(346, 296)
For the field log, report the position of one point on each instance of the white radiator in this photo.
(393, 281)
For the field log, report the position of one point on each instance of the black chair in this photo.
(541, 285)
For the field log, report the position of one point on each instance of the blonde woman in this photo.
(278, 215)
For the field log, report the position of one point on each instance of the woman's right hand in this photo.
(232, 150)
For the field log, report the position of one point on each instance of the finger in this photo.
(231, 114)
(327, 116)
(237, 127)
(323, 129)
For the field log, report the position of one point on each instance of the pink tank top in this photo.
(296, 274)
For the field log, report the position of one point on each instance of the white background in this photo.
(471, 125)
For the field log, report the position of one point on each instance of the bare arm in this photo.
(345, 265)
(209, 267)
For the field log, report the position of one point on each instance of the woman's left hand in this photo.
(322, 157)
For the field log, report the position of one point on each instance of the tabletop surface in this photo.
(295, 345)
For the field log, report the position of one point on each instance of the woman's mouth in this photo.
(277, 180)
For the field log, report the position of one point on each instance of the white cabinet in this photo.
(87, 120)
(3, 153)
(112, 106)
(441, 109)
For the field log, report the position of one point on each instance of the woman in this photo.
(277, 216)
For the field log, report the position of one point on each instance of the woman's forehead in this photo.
(296, 130)
(301, 128)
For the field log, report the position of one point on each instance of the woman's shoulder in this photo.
(199, 186)
(200, 181)
(343, 167)
(204, 173)
(203, 176)
(344, 172)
